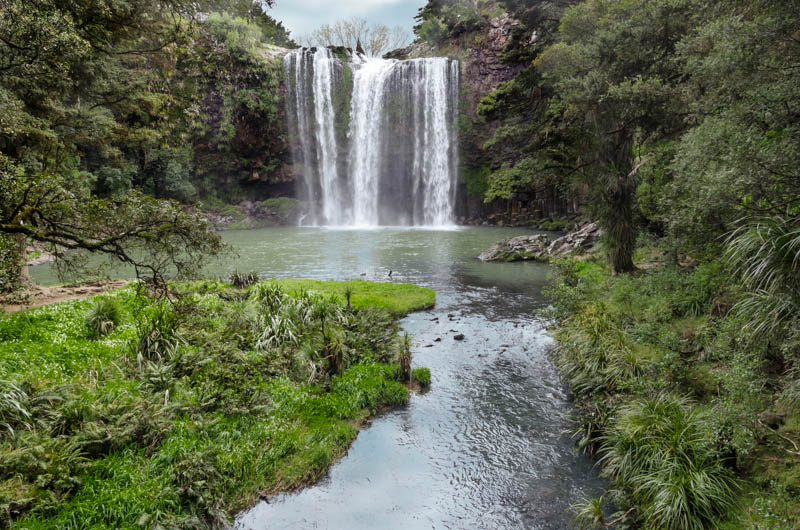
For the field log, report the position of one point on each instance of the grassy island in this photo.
(126, 412)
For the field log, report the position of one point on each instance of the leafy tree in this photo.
(618, 83)
(742, 154)
(253, 12)
(93, 108)
(156, 237)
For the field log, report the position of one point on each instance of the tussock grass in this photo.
(101, 318)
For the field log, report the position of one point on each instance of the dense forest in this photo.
(111, 100)
(674, 124)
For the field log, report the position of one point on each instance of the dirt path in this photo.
(39, 295)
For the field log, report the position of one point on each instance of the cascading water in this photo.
(374, 139)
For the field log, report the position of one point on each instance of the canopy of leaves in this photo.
(156, 237)
(169, 98)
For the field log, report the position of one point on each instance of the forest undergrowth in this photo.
(125, 411)
(690, 413)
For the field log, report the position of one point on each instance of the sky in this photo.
(303, 16)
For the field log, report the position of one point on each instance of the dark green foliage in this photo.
(9, 264)
(628, 344)
(243, 280)
(658, 449)
(13, 407)
(157, 336)
(766, 255)
(101, 97)
(422, 376)
(404, 358)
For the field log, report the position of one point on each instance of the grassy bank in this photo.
(125, 412)
(690, 413)
(397, 298)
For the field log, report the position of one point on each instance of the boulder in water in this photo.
(520, 248)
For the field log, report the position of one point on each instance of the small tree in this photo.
(156, 237)
(617, 83)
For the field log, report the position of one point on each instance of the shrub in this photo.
(269, 296)
(13, 407)
(282, 205)
(595, 353)
(102, 317)
(156, 334)
(658, 449)
(404, 357)
(422, 376)
(433, 30)
(9, 264)
(242, 280)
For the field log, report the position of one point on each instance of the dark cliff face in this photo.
(483, 67)
(242, 148)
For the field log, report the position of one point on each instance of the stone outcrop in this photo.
(480, 53)
(520, 248)
(538, 247)
(248, 214)
(582, 240)
(483, 68)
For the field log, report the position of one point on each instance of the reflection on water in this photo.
(485, 447)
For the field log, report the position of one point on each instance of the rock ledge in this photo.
(538, 247)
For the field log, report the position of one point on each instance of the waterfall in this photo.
(374, 140)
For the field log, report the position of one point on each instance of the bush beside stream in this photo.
(126, 412)
(689, 413)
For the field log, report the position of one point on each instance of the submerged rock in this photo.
(581, 240)
(518, 248)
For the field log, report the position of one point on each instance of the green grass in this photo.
(422, 376)
(183, 414)
(397, 298)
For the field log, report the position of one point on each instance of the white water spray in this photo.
(397, 162)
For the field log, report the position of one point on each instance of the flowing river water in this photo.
(487, 446)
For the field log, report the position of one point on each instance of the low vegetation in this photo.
(127, 412)
(689, 410)
(396, 298)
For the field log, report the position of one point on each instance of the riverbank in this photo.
(684, 407)
(122, 411)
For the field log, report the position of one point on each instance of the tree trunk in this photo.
(620, 227)
(23, 275)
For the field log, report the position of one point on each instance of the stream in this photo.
(487, 447)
